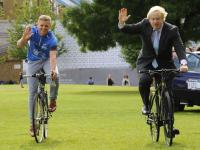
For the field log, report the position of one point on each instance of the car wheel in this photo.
(181, 107)
(178, 106)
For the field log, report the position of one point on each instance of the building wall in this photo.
(76, 67)
(10, 70)
(4, 26)
(9, 5)
(81, 75)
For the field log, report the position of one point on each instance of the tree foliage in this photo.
(95, 24)
(27, 13)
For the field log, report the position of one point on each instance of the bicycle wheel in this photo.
(46, 115)
(168, 117)
(153, 117)
(37, 119)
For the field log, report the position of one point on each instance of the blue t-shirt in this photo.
(40, 46)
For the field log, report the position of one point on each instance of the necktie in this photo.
(156, 47)
(156, 42)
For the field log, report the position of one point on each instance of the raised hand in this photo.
(25, 37)
(27, 33)
(123, 15)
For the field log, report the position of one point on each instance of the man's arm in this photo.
(53, 63)
(178, 45)
(21, 42)
(180, 51)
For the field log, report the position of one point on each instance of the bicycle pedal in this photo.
(45, 122)
(160, 123)
(148, 122)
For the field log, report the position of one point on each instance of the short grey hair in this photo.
(159, 9)
(45, 18)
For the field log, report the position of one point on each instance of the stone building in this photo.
(11, 68)
(76, 67)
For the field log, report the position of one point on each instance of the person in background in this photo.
(90, 81)
(110, 81)
(125, 81)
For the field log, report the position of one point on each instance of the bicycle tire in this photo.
(46, 116)
(37, 119)
(153, 117)
(168, 117)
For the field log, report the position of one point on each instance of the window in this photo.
(1, 7)
(1, 4)
(193, 62)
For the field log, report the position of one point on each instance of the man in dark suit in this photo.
(158, 38)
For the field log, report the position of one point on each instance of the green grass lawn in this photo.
(91, 118)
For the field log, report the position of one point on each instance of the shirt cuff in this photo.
(121, 25)
(183, 62)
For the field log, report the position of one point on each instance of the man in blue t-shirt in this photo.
(42, 54)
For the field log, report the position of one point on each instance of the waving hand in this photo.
(123, 17)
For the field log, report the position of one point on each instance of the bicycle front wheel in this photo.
(168, 117)
(153, 118)
(37, 119)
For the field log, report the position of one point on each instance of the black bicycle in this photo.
(161, 106)
(40, 110)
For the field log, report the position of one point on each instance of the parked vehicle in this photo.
(186, 86)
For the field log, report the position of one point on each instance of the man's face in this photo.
(43, 27)
(156, 20)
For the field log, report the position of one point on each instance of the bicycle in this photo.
(161, 106)
(41, 114)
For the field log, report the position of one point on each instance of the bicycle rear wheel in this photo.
(46, 116)
(168, 117)
(37, 119)
(153, 117)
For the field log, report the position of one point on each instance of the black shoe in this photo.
(176, 131)
(145, 111)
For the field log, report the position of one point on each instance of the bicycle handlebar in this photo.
(36, 75)
(159, 71)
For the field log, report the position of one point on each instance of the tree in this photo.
(25, 14)
(95, 24)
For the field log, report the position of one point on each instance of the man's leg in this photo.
(169, 87)
(54, 85)
(144, 89)
(32, 68)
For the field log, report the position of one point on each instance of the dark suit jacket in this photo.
(169, 37)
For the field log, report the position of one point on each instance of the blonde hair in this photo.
(159, 9)
(45, 18)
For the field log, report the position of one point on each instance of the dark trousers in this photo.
(145, 82)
